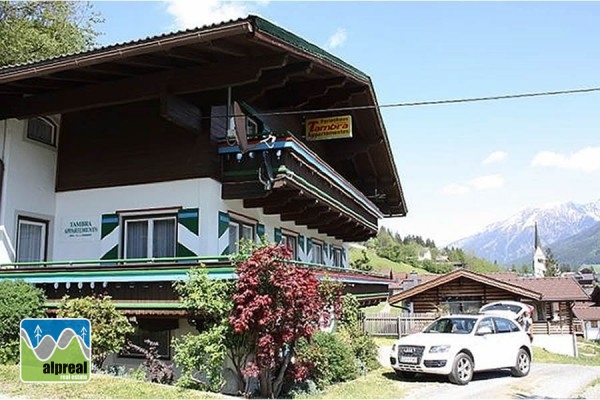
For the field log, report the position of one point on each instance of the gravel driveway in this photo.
(545, 381)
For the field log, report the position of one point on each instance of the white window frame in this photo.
(240, 225)
(287, 236)
(49, 122)
(150, 221)
(337, 257)
(315, 246)
(23, 220)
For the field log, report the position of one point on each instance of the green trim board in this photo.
(149, 275)
(304, 45)
(138, 305)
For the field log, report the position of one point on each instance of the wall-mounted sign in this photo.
(80, 228)
(329, 128)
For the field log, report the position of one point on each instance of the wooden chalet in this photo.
(464, 291)
(125, 165)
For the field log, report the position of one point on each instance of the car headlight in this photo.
(439, 349)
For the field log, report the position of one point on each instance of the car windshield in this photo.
(503, 307)
(459, 325)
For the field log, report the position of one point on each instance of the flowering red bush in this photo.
(275, 304)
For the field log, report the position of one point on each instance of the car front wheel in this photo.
(462, 370)
(523, 364)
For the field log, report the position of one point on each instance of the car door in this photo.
(484, 349)
(509, 338)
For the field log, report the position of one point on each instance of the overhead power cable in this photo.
(435, 102)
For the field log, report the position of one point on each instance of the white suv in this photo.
(459, 345)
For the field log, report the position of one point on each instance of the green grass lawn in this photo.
(589, 354)
(99, 387)
(381, 264)
(378, 384)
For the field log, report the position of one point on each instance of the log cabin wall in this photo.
(427, 301)
(130, 144)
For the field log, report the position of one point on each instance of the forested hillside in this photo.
(389, 251)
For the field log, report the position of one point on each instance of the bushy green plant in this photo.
(329, 358)
(363, 346)
(18, 300)
(109, 326)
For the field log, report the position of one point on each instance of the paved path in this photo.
(545, 381)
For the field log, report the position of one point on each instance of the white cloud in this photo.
(585, 160)
(494, 157)
(487, 182)
(455, 190)
(193, 13)
(337, 39)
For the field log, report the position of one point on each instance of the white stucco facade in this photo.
(28, 184)
(29, 191)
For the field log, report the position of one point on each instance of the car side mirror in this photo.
(484, 330)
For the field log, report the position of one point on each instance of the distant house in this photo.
(589, 273)
(464, 291)
(589, 313)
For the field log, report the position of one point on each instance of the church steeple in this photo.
(539, 258)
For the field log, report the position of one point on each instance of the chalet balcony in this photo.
(286, 178)
(145, 286)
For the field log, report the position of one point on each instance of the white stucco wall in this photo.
(28, 184)
(204, 194)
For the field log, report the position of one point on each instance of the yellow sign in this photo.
(329, 128)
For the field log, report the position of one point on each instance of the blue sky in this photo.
(461, 166)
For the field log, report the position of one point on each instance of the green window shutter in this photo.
(260, 231)
(188, 227)
(109, 237)
(189, 217)
(223, 233)
(109, 223)
(277, 235)
(308, 247)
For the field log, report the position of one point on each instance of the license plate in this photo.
(408, 360)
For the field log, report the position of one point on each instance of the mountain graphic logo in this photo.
(56, 350)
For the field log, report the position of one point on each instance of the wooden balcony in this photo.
(286, 178)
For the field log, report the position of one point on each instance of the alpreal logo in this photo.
(56, 350)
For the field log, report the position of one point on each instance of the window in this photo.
(292, 243)
(463, 304)
(337, 257)
(42, 130)
(31, 240)
(593, 324)
(238, 231)
(317, 253)
(505, 325)
(150, 237)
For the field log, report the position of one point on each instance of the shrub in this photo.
(109, 327)
(330, 360)
(18, 300)
(157, 371)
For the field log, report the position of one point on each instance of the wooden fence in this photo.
(394, 325)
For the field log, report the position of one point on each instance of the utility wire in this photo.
(431, 102)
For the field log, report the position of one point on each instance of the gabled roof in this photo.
(257, 58)
(553, 288)
(545, 289)
(463, 273)
(587, 311)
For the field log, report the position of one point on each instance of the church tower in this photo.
(539, 257)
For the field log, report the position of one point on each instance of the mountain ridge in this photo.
(512, 240)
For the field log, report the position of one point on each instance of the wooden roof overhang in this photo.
(304, 189)
(459, 274)
(261, 62)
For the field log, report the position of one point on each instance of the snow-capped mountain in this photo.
(513, 238)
